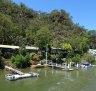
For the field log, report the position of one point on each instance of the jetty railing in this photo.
(14, 70)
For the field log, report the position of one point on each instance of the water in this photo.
(52, 80)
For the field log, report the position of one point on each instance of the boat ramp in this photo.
(13, 70)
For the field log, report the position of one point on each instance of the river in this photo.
(52, 80)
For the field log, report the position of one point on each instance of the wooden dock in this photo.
(14, 70)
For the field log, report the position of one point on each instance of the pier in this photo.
(14, 70)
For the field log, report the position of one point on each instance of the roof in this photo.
(17, 47)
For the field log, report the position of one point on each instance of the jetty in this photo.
(13, 70)
(19, 74)
(64, 67)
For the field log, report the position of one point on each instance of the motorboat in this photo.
(85, 65)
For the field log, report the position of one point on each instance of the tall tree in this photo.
(43, 37)
(6, 26)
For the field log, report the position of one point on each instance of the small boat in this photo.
(12, 77)
(86, 65)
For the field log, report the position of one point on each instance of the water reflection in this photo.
(45, 72)
(77, 73)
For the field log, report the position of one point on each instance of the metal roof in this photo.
(17, 47)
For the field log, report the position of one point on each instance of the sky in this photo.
(82, 11)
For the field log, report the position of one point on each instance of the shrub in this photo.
(22, 50)
(12, 59)
(21, 61)
(89, 58)
(27, 59)
(53, 56)
(76, 58)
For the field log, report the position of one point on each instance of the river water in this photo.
(52, 80)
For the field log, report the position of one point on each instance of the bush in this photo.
(28, 59)
(53, 57)
(22, 50)
(21, 61)
(76, 58)
(89, 58)
(31, 55)
(12, 59)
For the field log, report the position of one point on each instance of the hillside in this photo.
(19, 24)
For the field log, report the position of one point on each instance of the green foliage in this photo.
(92, 34)
(89, 58)
(67, 46)
(43, 37)
(17, 22)
(76, 58)
(6, 26)
(28, 58)
(53, 56)
(80, 42)
(22, 50)
(21, 61)
(30, 36)
(12, 59)
(68, 60)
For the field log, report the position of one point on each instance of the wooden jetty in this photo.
(62, 67)
(14, 70)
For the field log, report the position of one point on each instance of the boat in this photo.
(13, 77)
(86, 65)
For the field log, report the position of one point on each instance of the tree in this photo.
(30, 36)
(43, 37)
(92, 34)
(80, 42)
(22, 50)
(20, 22)
(76, 58)
(6, 26)
(67, 46)
(89, 58)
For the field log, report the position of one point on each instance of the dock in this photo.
(13, 70)
(62, 67)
